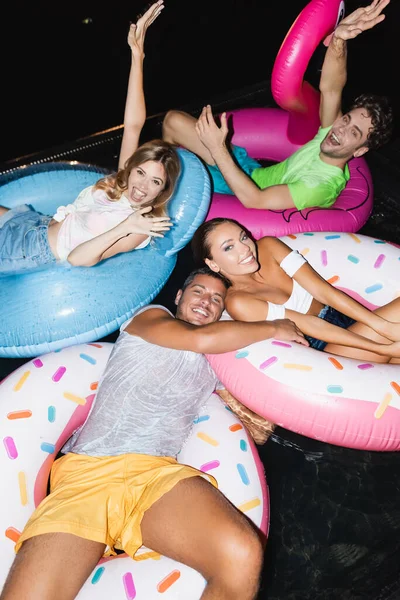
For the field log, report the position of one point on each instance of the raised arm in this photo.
(276, 197)
(135, 106)
(334, 69)
(158, 327)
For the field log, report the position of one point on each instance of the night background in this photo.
(65, 70)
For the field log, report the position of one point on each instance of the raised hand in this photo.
(360, 20)
(212, 136)
(287, 331)
(137, 31)
(151, 226)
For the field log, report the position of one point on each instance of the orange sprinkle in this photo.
(96, 345)
(235, 427)
(13, 534)
(383, 406)
(292, 237)
(333, 279)
(166, 583)
(93, 386)
(336, 363)
(19, 414)
(355, 238)
(395, 386)
(21, 382)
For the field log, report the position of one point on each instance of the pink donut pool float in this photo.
(273, 134)
(337, 400)
(44, 401)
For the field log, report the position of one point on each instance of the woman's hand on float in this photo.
(287, 331)
(154, 226)
(212, 136)
(360, 20)
(137, 31)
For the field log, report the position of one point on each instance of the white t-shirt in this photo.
(92, 214)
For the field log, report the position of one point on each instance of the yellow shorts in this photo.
(103, 499)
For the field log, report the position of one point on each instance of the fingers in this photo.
(145, 209)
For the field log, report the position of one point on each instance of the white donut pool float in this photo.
(48, 398)
(338, 400)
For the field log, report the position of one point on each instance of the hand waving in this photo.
(151, 226)
(137, 32)
(212, 136)
(360, 20)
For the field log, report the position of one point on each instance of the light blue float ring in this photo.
(59, 306)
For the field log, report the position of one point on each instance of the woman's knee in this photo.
(173, 122)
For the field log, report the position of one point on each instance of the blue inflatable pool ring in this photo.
(59, 305)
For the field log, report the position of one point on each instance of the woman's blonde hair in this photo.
(157, 150)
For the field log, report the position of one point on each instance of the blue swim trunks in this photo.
(242, 159)
(331, 315)
(24, 243)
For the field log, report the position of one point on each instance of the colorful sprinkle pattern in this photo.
(44, 401)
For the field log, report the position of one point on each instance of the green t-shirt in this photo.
(311, 181)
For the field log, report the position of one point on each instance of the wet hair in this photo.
(157, 150)
(200, 243)
(381, 114)
(205, 271)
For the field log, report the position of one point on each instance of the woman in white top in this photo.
(120, 212)
(270, 281)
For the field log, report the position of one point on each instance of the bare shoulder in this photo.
(242, 305)
(272, 248)
(147, 318)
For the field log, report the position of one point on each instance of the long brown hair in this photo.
(157, 150)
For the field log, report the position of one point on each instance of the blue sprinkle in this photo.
(228, 408)
(379, 242)
(309, 234)
(241, 354)
(243, 474)
(46, 447)
(99, 572)
(373, 288)
(51, 414)
(90, 360)
(335, 389)
(353, 259)
(200, 419)
(243, 445)
(59, 350)
(332, 237)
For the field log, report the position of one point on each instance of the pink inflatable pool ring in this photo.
(273, 134)
(44, 401)
(338, 400)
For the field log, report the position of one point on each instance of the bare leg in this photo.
(391, 312)
(196, 525)
(52, 565)
(179, 128)
(3, 210)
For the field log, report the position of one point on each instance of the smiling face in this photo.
(232, 251)
(145, 183)
(202, 302)
(348, 136)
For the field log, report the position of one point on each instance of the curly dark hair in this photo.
(381, 113)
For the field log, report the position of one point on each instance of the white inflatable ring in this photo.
(44, 401)
(337, 400)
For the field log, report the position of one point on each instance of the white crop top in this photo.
(300, 300)
(92, 214)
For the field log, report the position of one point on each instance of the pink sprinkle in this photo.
(129, 586)
(10, 447)
(38, 363)
(213, 464)
(58, 374)
(379, 261)
(283, 344)
(270, 361)
(365, 366)
(324, 258)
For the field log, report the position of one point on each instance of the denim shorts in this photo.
(24, 242)
(331, 315)
(242, 159)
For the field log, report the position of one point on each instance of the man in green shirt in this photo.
(316, 173)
